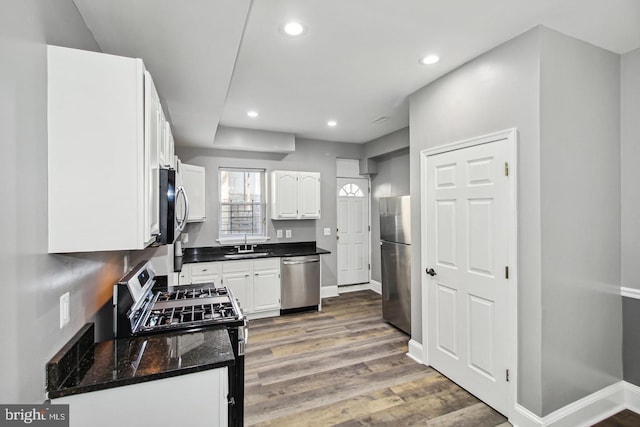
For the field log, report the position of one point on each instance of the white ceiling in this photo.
(357, 61)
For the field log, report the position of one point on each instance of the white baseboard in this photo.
(343, 289)
(415, 351)
(632, 397)
(328, 291)
(371, 286)
(630, 292)
(376, 286)
(522, 417)
(263, 314)
(586, 411)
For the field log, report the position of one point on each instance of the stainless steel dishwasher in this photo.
(300, 282)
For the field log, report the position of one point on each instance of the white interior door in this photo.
(353, 230)
(468, 208)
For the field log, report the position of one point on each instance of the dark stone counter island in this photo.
(83, 366)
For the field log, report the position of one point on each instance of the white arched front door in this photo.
(353, 230)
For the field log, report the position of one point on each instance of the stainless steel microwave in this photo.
(171, 196)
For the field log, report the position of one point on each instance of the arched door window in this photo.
(350, 190)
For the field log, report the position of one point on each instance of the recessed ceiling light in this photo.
(429, 60)
(253, 114)
(332, 123)
(293, 28)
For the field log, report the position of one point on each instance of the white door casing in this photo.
(469, 235)
(353, 230)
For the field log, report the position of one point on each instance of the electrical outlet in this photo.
(185, 237)
(65, 317)
(327, 231)
(279, 234)
(288, 234)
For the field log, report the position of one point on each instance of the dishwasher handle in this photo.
(286, 262)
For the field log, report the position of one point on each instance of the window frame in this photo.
(240, 237)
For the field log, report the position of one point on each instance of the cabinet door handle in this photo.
(183, 223)
(246, 275)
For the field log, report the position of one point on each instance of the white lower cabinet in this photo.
(255, 283)
(266, 285)
(204, 393)
(205, 272)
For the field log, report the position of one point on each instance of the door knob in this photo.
(431, 272)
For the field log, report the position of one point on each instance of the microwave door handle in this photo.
(182, 224)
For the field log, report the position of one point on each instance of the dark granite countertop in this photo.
(82, 366)
(274, 250)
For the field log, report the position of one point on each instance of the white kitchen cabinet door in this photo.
(266, 284)
(206, 272)
(100, 189)
(284, 195)
(295, 195)
(266, 290)
(205, 393)
(241, 284)
(167, 148)
(309, 195)
(153, 135)
(193, 180)
(184, 277)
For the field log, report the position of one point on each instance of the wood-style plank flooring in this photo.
(345, 366)
(624, 418)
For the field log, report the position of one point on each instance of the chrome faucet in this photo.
(245, 248)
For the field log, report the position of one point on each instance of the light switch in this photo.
(327, 231)
(65, 318)
(279, 234)
(288, 234)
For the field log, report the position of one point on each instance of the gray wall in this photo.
(562, 96)
(390, 155)
(630, 157)
(33, 280)
(310, 155)
(580, 219)
(631, 340)
(495, 91)
(392, 179)
(394, 141)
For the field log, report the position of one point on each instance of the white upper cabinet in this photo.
(193, 180)
(295, 195)
(104, 135)
(153, 136)
(284, 195)
(309, 195)
(167, 149)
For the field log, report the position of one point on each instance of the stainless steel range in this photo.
(143, 304)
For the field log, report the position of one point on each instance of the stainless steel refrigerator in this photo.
(395, 258)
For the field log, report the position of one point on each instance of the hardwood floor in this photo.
(345, 366)
(624, 418)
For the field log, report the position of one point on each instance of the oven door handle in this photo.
(183, 223)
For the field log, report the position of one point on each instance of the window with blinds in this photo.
(242, 202)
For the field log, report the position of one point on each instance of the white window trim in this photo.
(231, 239)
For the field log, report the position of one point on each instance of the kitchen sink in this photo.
(246, 255)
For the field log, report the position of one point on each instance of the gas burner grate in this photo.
(187, 294)
(198, 313)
